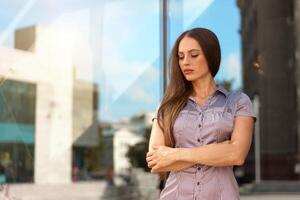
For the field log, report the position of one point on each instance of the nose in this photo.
(186, 60)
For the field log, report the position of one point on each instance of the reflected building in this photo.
(86, 140)
(17, 131)
(53, 112)
(119, 137)
(122, 140)
(270, 67)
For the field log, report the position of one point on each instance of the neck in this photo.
(204, 87)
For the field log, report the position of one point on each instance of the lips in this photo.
(187, 71)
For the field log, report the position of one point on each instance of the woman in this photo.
(202, 130)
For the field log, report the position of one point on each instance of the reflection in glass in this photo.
(74, 77)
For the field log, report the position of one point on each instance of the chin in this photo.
(197, 76)
(191, 78)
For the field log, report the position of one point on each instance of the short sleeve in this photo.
(245, 107)
(155, 115)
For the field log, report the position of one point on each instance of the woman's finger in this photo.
(148, 159)
(150, 153)
(155, 169)
(151, 164)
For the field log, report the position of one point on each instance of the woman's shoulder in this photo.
(238, 95)
(242, 104)
(237, 98)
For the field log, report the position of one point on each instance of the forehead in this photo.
(188, 43)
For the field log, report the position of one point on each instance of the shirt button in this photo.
(199, 168)
(198, 140)
(198, 183)
(199, 125)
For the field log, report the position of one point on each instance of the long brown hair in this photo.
(179, 89)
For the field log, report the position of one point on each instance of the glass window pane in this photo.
(79, 82)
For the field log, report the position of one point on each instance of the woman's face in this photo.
(191, 58)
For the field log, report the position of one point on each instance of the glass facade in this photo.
(17, 122)
(80, 81)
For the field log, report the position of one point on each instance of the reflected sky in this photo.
(116, 44)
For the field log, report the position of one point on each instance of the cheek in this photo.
(180, 62)
(180, 65)
(201, 63)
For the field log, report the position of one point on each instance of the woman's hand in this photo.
(161, 157)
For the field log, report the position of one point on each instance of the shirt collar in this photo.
(220, 88)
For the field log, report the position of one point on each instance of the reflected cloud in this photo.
(232, 68)
(139, 92)
(16, 20)
(188, 11)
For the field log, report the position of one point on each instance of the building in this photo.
(45, 121)
(123, 139)
(270, 47)
(126, 135)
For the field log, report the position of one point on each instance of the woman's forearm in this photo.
(184, 161)
(179, 165)
(216, 154)
(228, 153)
(164, 158)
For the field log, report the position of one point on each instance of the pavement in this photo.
(272, 196)
(99, 190)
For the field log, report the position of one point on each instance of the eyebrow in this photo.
(190, 50)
